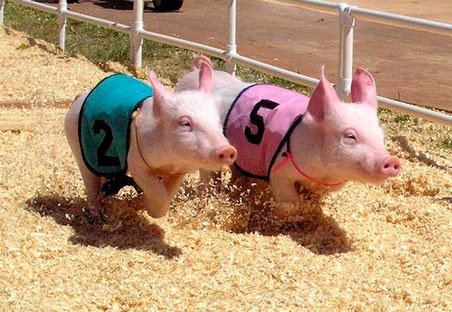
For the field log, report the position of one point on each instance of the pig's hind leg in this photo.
(90, 180)
(93, 192)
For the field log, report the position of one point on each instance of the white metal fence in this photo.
(347, 16)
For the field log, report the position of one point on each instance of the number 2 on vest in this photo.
(102, 158)
(258, 121)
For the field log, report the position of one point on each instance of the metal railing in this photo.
(347, 16)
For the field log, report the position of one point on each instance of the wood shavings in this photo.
(365, 248)
(46, 75)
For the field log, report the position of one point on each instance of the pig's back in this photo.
(104, 122)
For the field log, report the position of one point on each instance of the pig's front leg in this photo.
(286, 195)
(157, 192)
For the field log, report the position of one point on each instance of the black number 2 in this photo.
(102, 158)
(258, 121)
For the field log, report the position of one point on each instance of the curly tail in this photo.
(196, 64)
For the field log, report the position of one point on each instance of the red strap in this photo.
(289, 157)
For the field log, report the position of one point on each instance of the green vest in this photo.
(104, 123)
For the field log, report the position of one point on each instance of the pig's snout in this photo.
(391, 166)
(226, 155)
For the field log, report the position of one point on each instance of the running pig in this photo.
(124, 132)
(289, 139)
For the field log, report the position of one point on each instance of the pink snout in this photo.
(226, 155)
(391, 166)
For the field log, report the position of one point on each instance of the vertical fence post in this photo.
(346, 26)
(136, 42)
(62, 8)
(231, 49)
(2, 9)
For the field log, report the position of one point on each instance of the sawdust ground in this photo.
(365, 248)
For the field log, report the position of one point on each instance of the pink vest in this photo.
(259, 124)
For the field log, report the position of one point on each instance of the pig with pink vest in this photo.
(150, 143)
(289, 139)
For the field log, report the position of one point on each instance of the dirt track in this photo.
(365, 248)
(408, 65)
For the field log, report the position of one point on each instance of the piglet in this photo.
(289, 139)
(153, 141)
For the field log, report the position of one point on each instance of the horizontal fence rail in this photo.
(379, 17)
(347, 15)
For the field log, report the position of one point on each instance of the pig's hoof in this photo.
(153, 211)
(285, 210)
(157, 213)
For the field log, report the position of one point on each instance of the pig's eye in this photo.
(350, 137)
(184, 124)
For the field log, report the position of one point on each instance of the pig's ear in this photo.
(363, 88)
(323, 99)
(200, 59)
(205, 77)
(161, 94)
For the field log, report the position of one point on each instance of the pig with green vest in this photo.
(124, 132)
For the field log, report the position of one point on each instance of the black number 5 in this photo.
(258, 121)
(102, 158)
